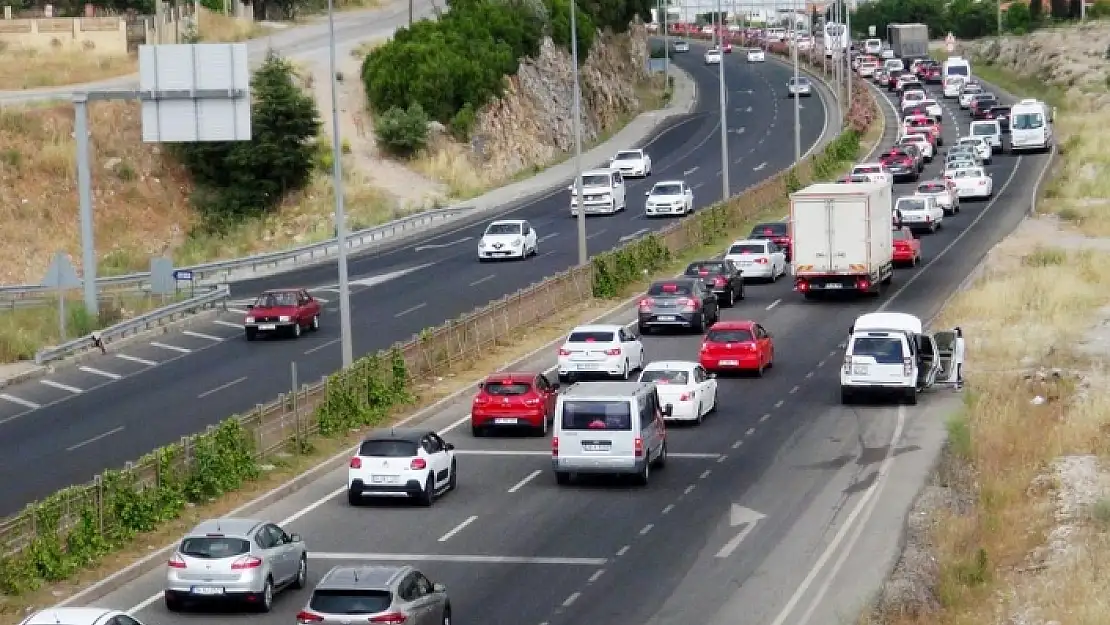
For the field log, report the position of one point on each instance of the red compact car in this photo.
(907, 248)
(514, 400)
(737, 346)
(282, 311)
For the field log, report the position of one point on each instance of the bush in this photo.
(240, 179)
(402, 132)
(559, 15)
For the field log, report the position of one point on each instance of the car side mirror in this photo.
(449, 447)
(647, 193)
(667, 410)
(440, 588)
(296, 538)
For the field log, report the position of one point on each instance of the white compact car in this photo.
(680, 46)
(967, 93)
(801, 87)
(920, 212)
(669, 197)
(404, 462)
(953, 85)
(867, 69)
(982, 149)
(758, 259)
(690, 390)
(973, 182)
(507, 238)
(607, 350)
(875, 170)
(713, 56)
(944, 191)
(921, 142)
(932, 108)
(755, 55)
(632, 163)
(989, 131)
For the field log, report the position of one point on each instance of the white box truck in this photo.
(842, 237)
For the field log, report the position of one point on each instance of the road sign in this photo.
(195, 92)
(183, 275)
(61, 274)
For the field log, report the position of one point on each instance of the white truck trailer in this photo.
(842, 237)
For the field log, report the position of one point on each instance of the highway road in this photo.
(757, 512)
(114, 408)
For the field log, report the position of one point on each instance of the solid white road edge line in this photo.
(89, 441)
(458, 528)
(868, 495)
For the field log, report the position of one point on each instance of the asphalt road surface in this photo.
(115, 408)
(782, 508)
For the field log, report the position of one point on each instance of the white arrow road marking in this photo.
(748, 110)
(739, 515)
(634, 235)
(436, 246)
(689, 171)
(759, 166)
(386, 277)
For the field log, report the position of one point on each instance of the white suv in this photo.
(890, 353)
(608, 350)
(413, 463)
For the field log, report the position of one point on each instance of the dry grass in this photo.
(217, 27)
(32, 69)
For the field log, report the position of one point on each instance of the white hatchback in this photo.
(687, 387)
(983, 150)
(669, 197)
(876, 170)
(407, 462)
(606, 350)
(952, 86)
(758, 258)
(921, 142)
(507, 238)
(713, 56)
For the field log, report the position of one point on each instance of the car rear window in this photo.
(885, 350)
(910, 204)
(214, 547)
(696, 269)
(592, 336)
(867, 169)
(668, 376)
(747, 249)
(931, 187)
(769, 230)
(669, 288)
(350, 601)
(510, 388)
(901, 235)
(275, 300)
(729, 336)
(387, 448)
(597, 415)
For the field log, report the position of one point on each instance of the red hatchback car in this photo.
(737, 346)
(907, 248)
(287, 311)
(514, 400)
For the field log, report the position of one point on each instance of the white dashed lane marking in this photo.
(174, 348)
(103, 374)
(228, 324)
(201, 335)
(17, 400)
(141, 361)
(60, 386)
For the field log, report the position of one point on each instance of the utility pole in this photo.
(724, 114)
(797, 100)
(583, 254)
(848, 55)
(346, 343)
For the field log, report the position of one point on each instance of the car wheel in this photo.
(296, 329)
(627, 370)
(173, 602)
(699, 324)
(251, 334)
(541, 431)
(477, 432)
(427, 496)
(562, 478)
(846, 397)
(910, 397)
(266, 597)
(644, 329)
(644, 476)
(301, 580)
(760, 370)
(740, 295)
(315, 323)
(661, 461)
(700, 417)
(453, 479)
(354, 497)
(730, 299)
(447, 615)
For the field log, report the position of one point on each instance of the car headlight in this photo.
(283, 318)
(250, 319)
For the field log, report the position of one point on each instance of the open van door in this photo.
(950, 353)
(929, 363)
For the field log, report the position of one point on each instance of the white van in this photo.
(872, 46)
(604, 192)
(613, 428)
(955, 66)
(889, 353)
(1030, 126)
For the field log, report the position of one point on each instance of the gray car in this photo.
(680, 303)
(377, 594)
(243, 560)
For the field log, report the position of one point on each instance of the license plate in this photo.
(730, 363)
(859, 369)
(666, 317)
(595, 447)
(586, 367)
(833, 285)
(505, 421)
(267, 326)
(383, 479)
(207, 590)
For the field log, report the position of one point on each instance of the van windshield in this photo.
(885, 350)
(1026, 121)
(958, 70)
(595, 180)
(597, 415)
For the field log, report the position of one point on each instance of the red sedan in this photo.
(907, 248)
(514, 400)
(737, 346)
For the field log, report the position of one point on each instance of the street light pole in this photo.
(666, 45)
(724, 116)
(583, 253)
(346, 346)
(848, 54)
(797, 100)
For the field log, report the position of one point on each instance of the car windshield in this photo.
(595, 180)
(350, 602)
(910, 204)
(799, 81)
(747, 248)
(503, 389)
(214, 547)
(597, 415)
(387, 448)
(769, 230)
(729, 336)
(668, 376)
(969, 173)
(984, 129)
(1026, 121)
(275, 300)
(705, 268)
(666, 189)
(591, 336)
(931, 187)
(972, 89)
(503, 229)
(901, 235)
(665, 289)
(885, 350)
(628, 156)
(957, 70)
(971, 142)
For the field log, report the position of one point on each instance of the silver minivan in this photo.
(613, 428)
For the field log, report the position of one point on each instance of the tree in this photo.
(1061, 9)
(239, 179)
(1017, 20)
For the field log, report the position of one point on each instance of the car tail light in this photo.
(391, 618)
(304, 618)
(928, 219)
(762, 261)
(801, 285)
(689, 303)
(705, 346)
(616, 351)
(481, 399)
(246, 562)
(564, 351)
(863, 285)
(646, 303)
(356, 463)
(554, 446)
(418, 464)
(177, 562)
(639, 447)
(907, 366)
(719, 281)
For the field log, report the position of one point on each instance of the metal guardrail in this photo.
(130, 327)
(220, 271)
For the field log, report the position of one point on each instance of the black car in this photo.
(1002, 114)
(777, 231)
(722, 277)
(680, 303)
(981, 104)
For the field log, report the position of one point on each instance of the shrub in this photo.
(402, 132)
(559, 14)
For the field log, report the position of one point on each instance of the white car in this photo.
(868, 68)
(80, 616)
(921, 142)
(953, 85)
(632, 163)
(608, 350)
(669, 197)
(758, 259)
(873, 46)
(973, 182)
(680, 46)
(912, 97)
(944, 191)
(690, 390)
(982, 149)
(755, 55)
(989, 131)
(405, 462)
(932, 108)
(713, 56)
(800, 87)
(604, 192)
(507, 238)
(920, 212)
(967, 93)
(875, 170)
